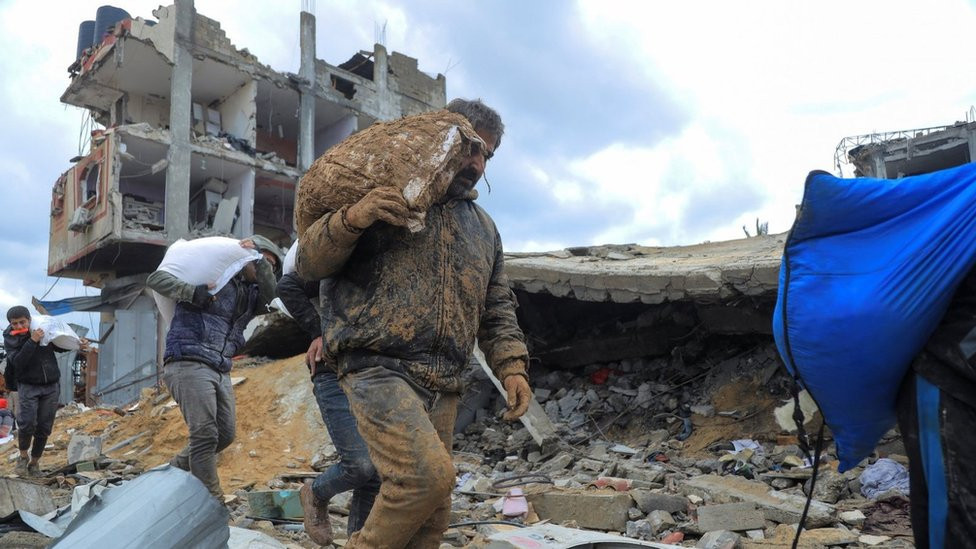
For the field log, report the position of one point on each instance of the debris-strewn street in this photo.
(683, 450)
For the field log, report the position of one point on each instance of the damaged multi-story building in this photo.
(896, 154)
(194, 137)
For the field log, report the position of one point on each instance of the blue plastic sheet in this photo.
(868, 271)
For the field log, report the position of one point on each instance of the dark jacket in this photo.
(415, 302)
(28, 362)
(299, 297)
(953, 345)
(213, 334)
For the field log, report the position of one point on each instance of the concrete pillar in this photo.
(880, 171)
(178, 171)
(306, 106)
(381, 68)
(971, 141)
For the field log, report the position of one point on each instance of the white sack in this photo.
(290, 257)
(210, 260)
(56, 331)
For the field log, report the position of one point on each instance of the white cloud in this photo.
(785, 83)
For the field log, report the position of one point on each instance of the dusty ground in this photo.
(279, 428)
(754, 420)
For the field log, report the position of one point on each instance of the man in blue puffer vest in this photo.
(206, 332)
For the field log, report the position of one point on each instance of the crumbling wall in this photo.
(607, 303)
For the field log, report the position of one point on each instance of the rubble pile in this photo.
(681, 450)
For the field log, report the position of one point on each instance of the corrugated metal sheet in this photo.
(66, 362)
(127, 361)
(163, 508)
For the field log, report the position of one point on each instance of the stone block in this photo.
(719, 539)
(559, 463)
(660, 521)
(853, 518)
(776, 506)
(649, 501)
(737, 517)
(831, 486)
(594, 510)
(640, 529)
(19, 495)
(84, 448)
(636, 472)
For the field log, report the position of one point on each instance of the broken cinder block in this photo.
(18, 495)
(84, 448)
(737, 517)
(594, 510)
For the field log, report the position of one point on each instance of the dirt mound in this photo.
(279, 428)
(419, 154)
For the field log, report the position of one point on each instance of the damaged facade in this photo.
(585, 305)
(892, 155)
(196, 138)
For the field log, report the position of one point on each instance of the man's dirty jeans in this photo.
(35, 415)
(206, 400)
(409, 435)
(354, 471)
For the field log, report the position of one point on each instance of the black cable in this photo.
(56, 280)
(480, 522)
(521, 480)
(813, 484)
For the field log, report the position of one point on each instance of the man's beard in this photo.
(463, 182)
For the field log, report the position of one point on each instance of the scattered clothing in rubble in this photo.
(882, 476)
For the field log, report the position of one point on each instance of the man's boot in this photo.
(21, 469)
(317, 524)
(34, 469)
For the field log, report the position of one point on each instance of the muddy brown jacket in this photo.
(415, 302)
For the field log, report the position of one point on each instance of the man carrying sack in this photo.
(401, 311)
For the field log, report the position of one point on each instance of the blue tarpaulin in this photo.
(868, 271)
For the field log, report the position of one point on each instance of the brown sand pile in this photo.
(419, 154)
(754, 419)
(277, 420)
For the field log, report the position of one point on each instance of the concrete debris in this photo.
(594, 510)
(853, 518)
(550, 536)
(737, 517)
(241, 538)
(776, 506)
(625, 471)
(18, 495)
(719, 539)
(872, 540)
(84, 448)
(648, 502)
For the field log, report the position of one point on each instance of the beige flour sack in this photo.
(419, 154)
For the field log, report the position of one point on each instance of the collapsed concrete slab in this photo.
(604, 304)
(776, 506)
(652, 275)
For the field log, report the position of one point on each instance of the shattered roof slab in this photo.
(630, 273)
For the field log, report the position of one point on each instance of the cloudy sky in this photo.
(659, 123)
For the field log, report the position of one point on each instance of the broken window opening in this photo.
(343, 86)
(89, 180)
